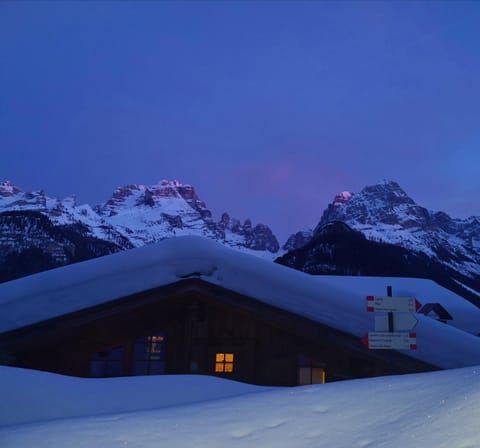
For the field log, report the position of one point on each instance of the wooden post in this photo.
(390, 314)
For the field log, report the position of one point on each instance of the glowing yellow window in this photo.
(224, 362)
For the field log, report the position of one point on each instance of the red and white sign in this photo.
(393, 304)
(386, 340)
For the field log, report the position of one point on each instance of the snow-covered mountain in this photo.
(60, 214)
(382, 231)
(147, 214)
(38, 232)
(385, 213)
(51, 232)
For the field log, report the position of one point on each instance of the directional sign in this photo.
(404, 321)
(393, 304)
(401, 322)
(395, 341)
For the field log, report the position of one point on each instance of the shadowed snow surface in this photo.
(437, 409)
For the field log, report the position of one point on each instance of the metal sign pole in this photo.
(390, 313)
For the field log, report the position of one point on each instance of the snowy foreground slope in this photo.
(437, 409)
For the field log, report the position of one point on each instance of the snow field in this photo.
(422, 410)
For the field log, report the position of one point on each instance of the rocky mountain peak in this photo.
(342, 198)
(146, 214)
(385, 203)
(8, 189)
(224, 221)
(14, 198)
(40, 232)
(174, 188)
(384, 212)
(387, 192)
(154, 196)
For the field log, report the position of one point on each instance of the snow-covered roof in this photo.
(336, 301)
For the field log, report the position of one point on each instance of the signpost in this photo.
(393, 328)
(392, 304)
(386, 340)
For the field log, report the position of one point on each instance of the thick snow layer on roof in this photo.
(336, 301)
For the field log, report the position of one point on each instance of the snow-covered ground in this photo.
(437, 410)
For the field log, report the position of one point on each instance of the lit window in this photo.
(149, 355)
(224, 362)
(155, 346)
(311, 375)
(310, 371)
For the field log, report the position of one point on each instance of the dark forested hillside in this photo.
(30, 243)
(336, 249)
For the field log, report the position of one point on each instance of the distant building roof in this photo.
(436, 308)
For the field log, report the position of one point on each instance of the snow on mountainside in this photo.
(147, 214)
(53, 232)
(60, 212)
(385, 213)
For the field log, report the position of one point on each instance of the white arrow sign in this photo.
(395, 341)
(401, 322)
(393, 304)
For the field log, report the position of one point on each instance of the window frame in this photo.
(224, 362)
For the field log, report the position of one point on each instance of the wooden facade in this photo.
(194, 327)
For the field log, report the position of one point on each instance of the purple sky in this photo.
(267, 108)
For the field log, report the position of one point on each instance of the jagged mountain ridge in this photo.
(61, 232)
(433, 245)
(385, 213)
(37, 232)
(149, 214)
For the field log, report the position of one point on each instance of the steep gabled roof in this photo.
(338, 302)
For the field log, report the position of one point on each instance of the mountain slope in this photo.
(382, 231)
(30, 242)
(38, 232)
(147, 214)
(384, 212)
(338, 249)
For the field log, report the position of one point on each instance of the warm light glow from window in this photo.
(224, 362)
(311, 375)
(155, 344)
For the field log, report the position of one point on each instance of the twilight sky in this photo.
(268, 108)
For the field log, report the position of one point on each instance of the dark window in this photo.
(149, 355)
(108, 362)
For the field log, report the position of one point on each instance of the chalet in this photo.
(191, 306)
